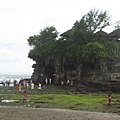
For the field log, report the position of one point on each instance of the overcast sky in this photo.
(20, 19)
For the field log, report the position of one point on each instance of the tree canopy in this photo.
(79, 42)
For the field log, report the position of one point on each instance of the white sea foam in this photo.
(12, 78)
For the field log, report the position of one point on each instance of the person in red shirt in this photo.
(109, 99)
(25, 97)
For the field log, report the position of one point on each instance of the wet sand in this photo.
(26, 113)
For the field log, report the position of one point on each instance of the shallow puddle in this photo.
(9, 101)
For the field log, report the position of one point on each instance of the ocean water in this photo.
(15, 76)
(12, 78)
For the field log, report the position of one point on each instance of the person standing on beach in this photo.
(32, 86)
(20, 86)
(39, 86)
(46, 81)
(27, 84)
(9, 82)
(25, 97)
(109, 99)
(3, 83)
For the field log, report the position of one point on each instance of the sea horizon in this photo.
(15, 76)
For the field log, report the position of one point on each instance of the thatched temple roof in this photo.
(102, 33)
(115, 33)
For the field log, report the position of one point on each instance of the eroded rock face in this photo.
(71, 70)
(39, 68)
(86, 78)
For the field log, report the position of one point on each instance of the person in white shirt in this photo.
(39, 86)
(32, 86)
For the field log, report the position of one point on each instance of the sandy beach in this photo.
(25, 113)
